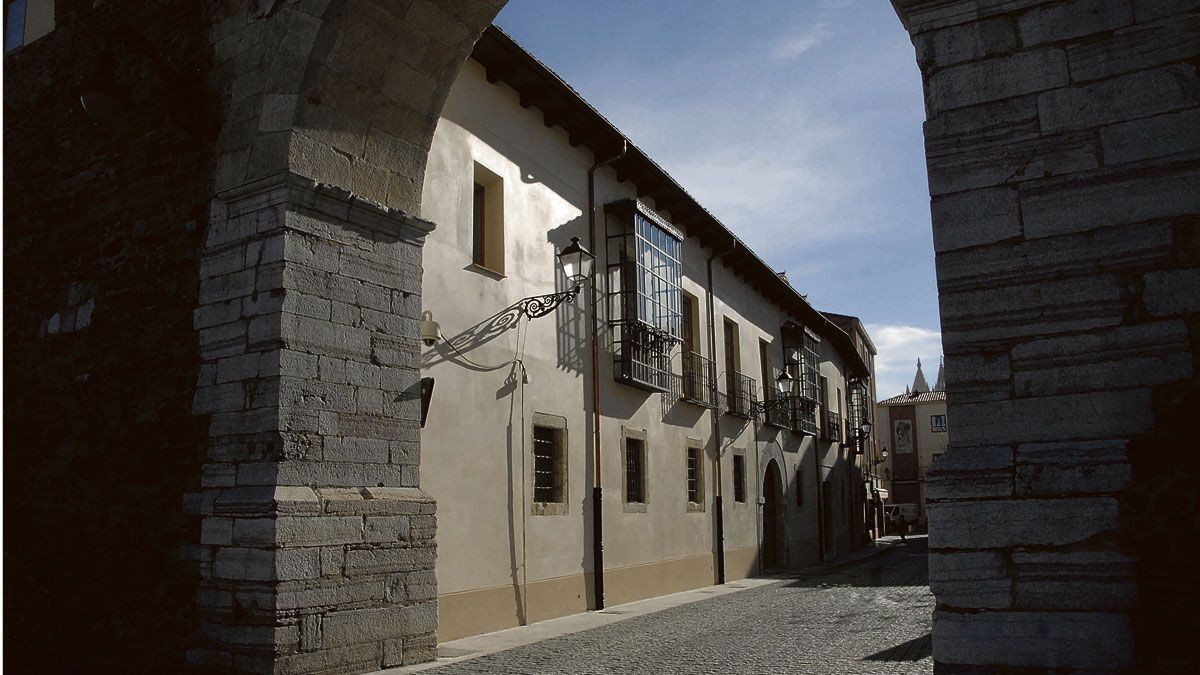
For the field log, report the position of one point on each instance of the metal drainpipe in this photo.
(716, 415)
(597, 493)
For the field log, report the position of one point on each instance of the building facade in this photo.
(689, 343)
(170, 495)
(917, 434)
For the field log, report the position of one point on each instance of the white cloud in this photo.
(899, 348)
(794, 45)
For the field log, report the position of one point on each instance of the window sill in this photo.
(635, 507)
(549, 509)
(695, 507)
(485, 271)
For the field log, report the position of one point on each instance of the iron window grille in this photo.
(645, 275)
(937, 422)
(547, 465)
(693, 475)
(635, 467)
(739, 478)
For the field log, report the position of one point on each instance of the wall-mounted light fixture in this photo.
(576, 263)
(786, 385)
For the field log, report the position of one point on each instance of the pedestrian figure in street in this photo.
(902, 526)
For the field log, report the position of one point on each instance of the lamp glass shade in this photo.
(576, 261)
(866, 428)
(884, 454)
(785, 383)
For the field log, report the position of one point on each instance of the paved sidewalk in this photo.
(689, 607)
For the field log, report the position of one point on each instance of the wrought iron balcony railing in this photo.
(698, 374)
(778, 409)
(739, 394)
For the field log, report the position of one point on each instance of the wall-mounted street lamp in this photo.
(786, 385)
(576, 263)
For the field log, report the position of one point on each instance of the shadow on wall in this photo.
(455, 349)
(572, 332)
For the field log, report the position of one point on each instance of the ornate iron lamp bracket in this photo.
(538, 306)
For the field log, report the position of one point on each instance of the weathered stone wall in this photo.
(1063, 141)
(103, 226)
(316, 550)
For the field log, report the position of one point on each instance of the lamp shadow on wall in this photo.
(455, 349)
(571, 330)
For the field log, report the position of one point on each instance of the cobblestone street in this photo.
(872, 617)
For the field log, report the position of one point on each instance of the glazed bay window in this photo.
(645, 305)
(800, 360)
(858, 407)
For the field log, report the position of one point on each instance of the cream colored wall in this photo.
(492, 551)
(930, 443)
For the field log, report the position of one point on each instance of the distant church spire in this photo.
(940, 385)
(920, 386)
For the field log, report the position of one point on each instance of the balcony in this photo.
(641, 355)
(697, 380)
(778, 414)
(832, 429)
(803, 413)
(739, 394)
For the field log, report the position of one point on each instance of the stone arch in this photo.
(317, 94)
(343, 93)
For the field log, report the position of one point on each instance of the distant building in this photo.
(914, 430)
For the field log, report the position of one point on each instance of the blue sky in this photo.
(797, 123)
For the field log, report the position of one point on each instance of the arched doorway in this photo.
(770, 517)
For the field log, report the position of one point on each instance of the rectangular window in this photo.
(739, 478)
(937, 422)
(26, 21)
(695, 485)
(799, 487)
(775, 414)
(547, 465)
(698, 371)
(645, 313)
(635, 471)
(478, 224)
(739, 389)
(487, 220)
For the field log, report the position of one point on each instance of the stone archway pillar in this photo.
(317, 545)
(1062, 141)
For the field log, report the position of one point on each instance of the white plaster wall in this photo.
(475, 444)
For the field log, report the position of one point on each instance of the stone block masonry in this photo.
(1066, 213)
(317, 545)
